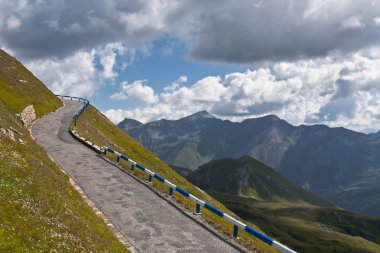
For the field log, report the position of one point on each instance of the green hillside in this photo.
(20, 88)
(250, 178)
(40, 211)
(309, 228)
(296, 217)
(95, 127)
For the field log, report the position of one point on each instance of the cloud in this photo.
(176, 84)
(116, 115)
(353, 22)
(376, 20)
(107, 57)
(284, 30)
(136, 90)
(247, 31)
(12, 22)
(60, 28)
(334, 91)
(78, 74)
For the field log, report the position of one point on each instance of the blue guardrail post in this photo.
(170, 191)
(235, 233)
(197, 208)
(132, 167)
(150, 178)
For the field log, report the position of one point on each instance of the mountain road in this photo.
(150, 223)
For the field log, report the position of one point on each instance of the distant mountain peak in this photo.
(127, 124)
(272, 117)
(200, 115)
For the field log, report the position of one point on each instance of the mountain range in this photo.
(337, 164)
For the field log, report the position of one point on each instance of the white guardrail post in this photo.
(172, 187)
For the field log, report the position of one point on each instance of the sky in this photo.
(309, 62)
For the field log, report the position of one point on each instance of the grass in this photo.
(40, 211)
(20, 88)
(95, 127)
(285, 211)
(308, 228)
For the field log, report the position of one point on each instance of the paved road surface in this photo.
(149, 222)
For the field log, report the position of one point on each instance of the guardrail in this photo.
(83, 100)
(172, 187)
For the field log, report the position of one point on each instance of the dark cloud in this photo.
(59, 28)
(223, 30)
(247, 31)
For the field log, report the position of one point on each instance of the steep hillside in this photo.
(40, 211)
(337, 164)
(20, 88)
(95, 127)
(247, 177)
(309, 224)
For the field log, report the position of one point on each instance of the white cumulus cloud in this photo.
(136, 90)
(78, 74)
(334, 91)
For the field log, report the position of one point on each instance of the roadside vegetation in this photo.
(40, 211)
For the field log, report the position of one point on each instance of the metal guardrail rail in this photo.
(83, 100)
(172, 187)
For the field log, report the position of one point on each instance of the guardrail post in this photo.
(170, 191)
(197, 208)
(235, 233)
(118, 158)
(105, 151)
(132, 167)
(150, 178)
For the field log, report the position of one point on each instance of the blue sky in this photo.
(160, 68)
(309, 62)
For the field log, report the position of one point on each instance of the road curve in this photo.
(149, 222)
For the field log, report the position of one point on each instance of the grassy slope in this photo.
(260, 181)
(308, 228)
(40, 211)
(96, 127)
(20, 88)
(284, 210)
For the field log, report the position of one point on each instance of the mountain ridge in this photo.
(330, 162)
(248, 177)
